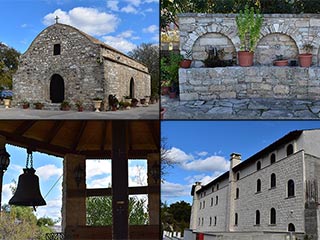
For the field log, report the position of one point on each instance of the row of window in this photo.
(272, 159)
(273, 219)
(200, 221)
(290, 186)
(203, 203)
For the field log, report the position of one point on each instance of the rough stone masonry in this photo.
(281, 34)
(63, 63)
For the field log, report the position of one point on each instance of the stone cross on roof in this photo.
(57, 18)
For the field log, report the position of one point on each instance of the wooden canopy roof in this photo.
(92, 138)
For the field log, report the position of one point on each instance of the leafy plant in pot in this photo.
(280, 61)
(65, 106)
(249, 25)
(305, 59)
(187, 60)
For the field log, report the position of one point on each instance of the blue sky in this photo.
(49, 170)
(201, 149)
(123, 24)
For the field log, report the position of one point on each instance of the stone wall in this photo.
(249, 82)
(281, 34)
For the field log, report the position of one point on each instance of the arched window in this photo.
(56, 49)
(289, 149)
(291, 228)
(272, 158)
(258, 185)
(217, 186)
(215, 221)
(273, 181)
(258, 165)
(200, 205)
(204, 204)
(199, 222)
(217, 199)
(257, 217)
(211, 202)
(210, 221)
(272, 216)
(238, 176)
(202, 222)
(237, 193)
(290, 188)
(236, 219)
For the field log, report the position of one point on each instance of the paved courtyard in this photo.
(241, 109)
(149, 112)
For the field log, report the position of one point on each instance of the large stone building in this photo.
(63, 63)
(271, 195)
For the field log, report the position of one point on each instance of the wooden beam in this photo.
(119, 166)
(53, 132)
(24, 127)
(79, 135)
(96, 192)
(104, 135)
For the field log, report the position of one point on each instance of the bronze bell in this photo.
(28, 190)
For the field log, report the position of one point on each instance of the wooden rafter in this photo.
(24, 126)
(78, 135)
(53, 132)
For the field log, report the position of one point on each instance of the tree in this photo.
(99, 211)
(9, 60)
(148, 54)
(166, 160)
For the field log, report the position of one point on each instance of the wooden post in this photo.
(119, 181)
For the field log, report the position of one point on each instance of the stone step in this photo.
(52, 106)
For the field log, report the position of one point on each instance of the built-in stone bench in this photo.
(249, 82)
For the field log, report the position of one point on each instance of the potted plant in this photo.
(38, 105)
(187, 60)
(305, 59)
(7, 101)
(127, 99)
(65, 106)
(280, 61)
(154, 98)
(25, 104)
(143, 101)
(113, 102)
(165, 83)
(79, 105)
(249, 25)
(134, 102)
(97, 103)
(126, 105)
(165, 87)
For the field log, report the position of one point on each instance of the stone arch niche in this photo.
(56, 89)
(131, 93)
(275, 44)
(210, 40)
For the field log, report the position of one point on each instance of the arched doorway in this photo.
(56, 89)
(131, 88)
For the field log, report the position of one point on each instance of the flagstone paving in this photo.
(149, 112)
(241, 109)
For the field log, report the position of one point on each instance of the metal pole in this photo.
(1, 176)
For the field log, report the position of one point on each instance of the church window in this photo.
(291, 228)
(236, 219)
(290, 188)
(215, 221)
(238, 176)
(217, 199)
(289, 149)
(217, 186)
(202, 222)
(257, 217)
(210, 221)
(204, 204)
(200, 205)
(211, 202)
(273, 182)
(258, 185)
(56, 49)
(258, 165)
(272, 158)
(272, 216)
(237, 193)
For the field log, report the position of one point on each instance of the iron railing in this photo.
(54, 236)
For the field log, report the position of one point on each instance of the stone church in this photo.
(64, 63)
(274, 194)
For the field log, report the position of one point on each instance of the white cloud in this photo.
(202, 154)
(48, 171)
(129, 9)
(6, 192)
(119, 43)
(104, 182)
(192, 163)
(113, 5)
(212, 163)
(203, 178)
(52, 209)
(179, 156)
(134, 2)
(97, 167)
(150, 29)
(173, 190)
(126, 34)
(89, 20)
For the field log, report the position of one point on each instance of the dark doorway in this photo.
(131, 88)
(56, 89)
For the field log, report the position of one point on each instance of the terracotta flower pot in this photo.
(281, 63)
(97, 105)
(25, 106)
(7, 102)
(305, 60)
(185, 63)
(80, 109)
(165, 90)
(245, 58)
